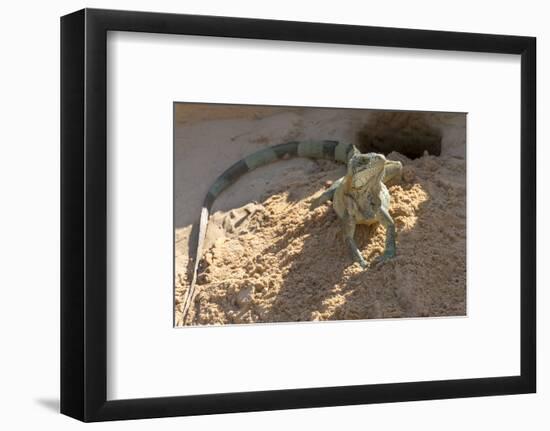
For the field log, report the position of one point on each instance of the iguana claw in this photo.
(363, 263)
(315, 203)
(383, 258)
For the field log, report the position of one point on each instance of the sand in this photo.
(270, 259)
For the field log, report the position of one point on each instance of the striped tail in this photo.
(331, 150)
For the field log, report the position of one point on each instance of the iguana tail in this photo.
(331, 150)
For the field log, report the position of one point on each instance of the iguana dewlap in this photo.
(359, 197)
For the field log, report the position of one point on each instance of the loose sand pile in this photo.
(274, 260)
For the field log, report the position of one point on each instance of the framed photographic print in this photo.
(262, 215)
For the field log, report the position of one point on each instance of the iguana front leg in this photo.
(385, 220)
(348, 226)
(327, 195)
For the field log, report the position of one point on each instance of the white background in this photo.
(30, 228)
(146, 356)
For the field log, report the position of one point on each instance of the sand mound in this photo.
(277, 261)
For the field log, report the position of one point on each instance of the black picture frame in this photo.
(84, 214)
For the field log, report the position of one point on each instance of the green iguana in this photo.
(359, 197)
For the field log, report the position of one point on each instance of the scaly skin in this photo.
(359, 197)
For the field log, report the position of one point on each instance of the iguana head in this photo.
(366, 168)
